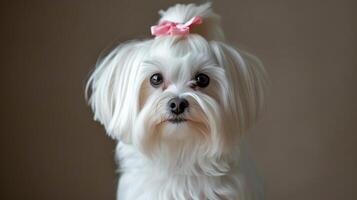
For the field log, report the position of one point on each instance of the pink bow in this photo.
(172, 28)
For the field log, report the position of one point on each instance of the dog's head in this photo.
(188, 90)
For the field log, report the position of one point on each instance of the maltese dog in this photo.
(178, 104)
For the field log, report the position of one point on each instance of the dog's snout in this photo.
(177, 105)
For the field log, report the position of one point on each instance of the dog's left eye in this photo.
(202, 80)
(156, 80)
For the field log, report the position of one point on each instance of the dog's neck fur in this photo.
(150, 179)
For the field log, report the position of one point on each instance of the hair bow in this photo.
(173, 28)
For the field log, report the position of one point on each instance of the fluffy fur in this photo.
(196, 159)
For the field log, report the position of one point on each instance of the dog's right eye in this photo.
(156, 80)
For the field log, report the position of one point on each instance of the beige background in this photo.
(305, 145)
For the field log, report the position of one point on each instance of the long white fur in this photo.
(198, 159)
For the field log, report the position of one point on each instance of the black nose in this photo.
(177, 105)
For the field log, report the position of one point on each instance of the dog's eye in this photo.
(202, 80)
(156, 80)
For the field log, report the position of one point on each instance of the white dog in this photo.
(178, 104)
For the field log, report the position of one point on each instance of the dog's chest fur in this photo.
(141, 179)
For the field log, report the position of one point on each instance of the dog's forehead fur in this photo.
(183, 68)
(180, 57)
(180, 46)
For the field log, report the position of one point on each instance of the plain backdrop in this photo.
(50, 148)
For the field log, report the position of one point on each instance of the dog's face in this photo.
(181, 92)
(182, 96)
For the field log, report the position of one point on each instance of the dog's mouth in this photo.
(176, 120)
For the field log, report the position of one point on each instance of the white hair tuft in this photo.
(181, 13)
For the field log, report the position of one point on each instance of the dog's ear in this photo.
(247, 84)
(112, 90)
